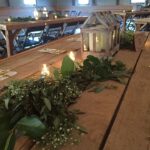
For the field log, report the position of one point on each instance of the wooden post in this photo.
(124, 22)
(9, 42)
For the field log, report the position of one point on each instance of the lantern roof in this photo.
(104, 18)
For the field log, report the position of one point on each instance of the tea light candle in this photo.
(85, 48)
(45, 71)
(72, 56)
(36, 18)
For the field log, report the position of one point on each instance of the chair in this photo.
(31, 37)
(53, 32)
(3, 50)
(69, 28)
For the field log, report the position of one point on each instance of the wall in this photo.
(98, 2)
(18, 9)
(3, 3)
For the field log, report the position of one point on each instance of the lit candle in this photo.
(72, 56)
(9, 19)
(36, 18)
(85, 48)
(45, 71)
(91, 42)
(97, 40)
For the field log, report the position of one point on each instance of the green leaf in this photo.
(82, 129)
(32, 126)
(3, 138)
(10, 142)
(67, 67)
(56, 74)
(6, 102)
(48, 104)
(56, 122)
(4, 121)
(97, 89)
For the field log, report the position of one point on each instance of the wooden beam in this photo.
(9, 43)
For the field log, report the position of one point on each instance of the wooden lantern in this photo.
(100, 33)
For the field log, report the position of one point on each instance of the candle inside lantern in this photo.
(36, 18)
(45, 11)
(97, 40)
(72, 56)
(85, 48)
(9, 19)
(45, 70)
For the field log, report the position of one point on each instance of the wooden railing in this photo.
(88, 9)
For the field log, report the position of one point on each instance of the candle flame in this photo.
(72, 56)
(45, 71)
(97, 40)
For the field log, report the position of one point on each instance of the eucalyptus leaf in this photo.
(32, 126)
(6, 102)
(56, 74)
(4, 121)
(10, 142)
(48, 103)
(3, 138)
(97, 89)
(67, 67)
(56, 122)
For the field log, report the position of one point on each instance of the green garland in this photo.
(127, 40)
(21, 19)
(40, 108)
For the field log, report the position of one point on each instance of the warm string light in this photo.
(66, 15)
(55, 17)
(45, 71)
(9, 19)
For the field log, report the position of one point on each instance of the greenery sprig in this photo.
(39, 108)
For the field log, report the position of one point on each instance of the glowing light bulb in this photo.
(9, 19)
(66, 15)
(55, 17)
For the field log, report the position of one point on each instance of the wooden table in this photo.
(101, 109)
(126, 15)
(9, 30)
(30, 62)
(141, 22)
